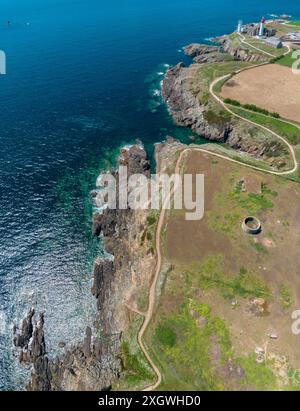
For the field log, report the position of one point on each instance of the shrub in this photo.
(232, 102)
(165, 335)
(275, 115)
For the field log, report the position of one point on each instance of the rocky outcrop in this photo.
(181, 93)
(240, 52)
(31, 342)
(202, 53)
(120, 275)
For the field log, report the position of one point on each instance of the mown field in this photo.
(272, 87)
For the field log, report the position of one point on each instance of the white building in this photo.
(262, 27)
(274, 42)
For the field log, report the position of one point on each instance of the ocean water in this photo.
(83, 77)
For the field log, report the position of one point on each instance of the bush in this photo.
(275, 115)
(232, 102)
(273, 60)
(251, 107)
(165, 335)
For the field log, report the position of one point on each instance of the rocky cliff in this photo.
(227, 48)
(186, 108)
(202, 53)
(95, 363)
(240, 51)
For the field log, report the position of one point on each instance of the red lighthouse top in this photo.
(263, 20)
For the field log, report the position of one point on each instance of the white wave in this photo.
(2, 323)
(156, 93)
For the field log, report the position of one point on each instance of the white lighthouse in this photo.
(240, 26)
(262, 27)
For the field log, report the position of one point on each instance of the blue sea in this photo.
(83, 77)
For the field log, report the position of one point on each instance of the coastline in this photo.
(96, 364)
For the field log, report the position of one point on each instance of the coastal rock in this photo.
(94, 364)
(135, 158)
(202, 53)
(22, 338)
(31, 341)
(103, 275)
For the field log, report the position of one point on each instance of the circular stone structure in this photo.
(252, 225)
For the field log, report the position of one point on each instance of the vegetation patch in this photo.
(286, 299)
(257, 376)
(294, 23)
(210, 275)
(259, 247)
(191, 357)
(251, 107)
(294, 377)
(238, 203)
(287, 60)
(136, 372)
(220, 119)
(165, 335)
(149, 231)
(284, 129)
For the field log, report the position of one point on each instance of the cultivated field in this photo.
(273, 87)
(224, 315)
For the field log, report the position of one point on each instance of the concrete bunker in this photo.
(252, 225)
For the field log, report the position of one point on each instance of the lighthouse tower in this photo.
(262, 27)
(240, 26)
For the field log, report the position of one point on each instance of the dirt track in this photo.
(254, 86)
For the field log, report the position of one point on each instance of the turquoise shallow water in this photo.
(82, 78)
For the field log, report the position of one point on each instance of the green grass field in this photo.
(287, 60)
(264, 47)
(294, 23)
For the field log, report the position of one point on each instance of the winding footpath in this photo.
(160, 225)
(243, 40)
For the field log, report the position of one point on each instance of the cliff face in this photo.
(95, 363)
(202, 53)
(185, 106)
(186, 109)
